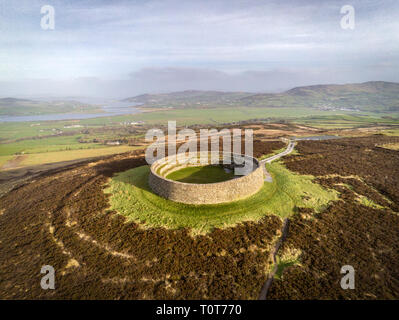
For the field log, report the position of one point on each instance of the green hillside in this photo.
(375, 96)
(189, 98)
(24, 107)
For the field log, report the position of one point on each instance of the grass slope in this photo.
(51, 144)
(59, 156)
(132, 197)
(202, 174)
(23, 107)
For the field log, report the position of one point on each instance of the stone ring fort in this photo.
(249, 181)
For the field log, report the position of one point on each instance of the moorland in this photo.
(74, 194)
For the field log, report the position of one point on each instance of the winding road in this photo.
(290, 148)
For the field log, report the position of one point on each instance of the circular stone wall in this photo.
(231, 190)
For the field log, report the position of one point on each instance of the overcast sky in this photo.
(124, 48)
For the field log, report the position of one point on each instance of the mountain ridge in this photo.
(370, 95)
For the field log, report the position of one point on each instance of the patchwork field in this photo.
(33, 143)
(10, 162)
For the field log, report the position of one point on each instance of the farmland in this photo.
(68, 136)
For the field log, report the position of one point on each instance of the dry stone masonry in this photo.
(238, 188)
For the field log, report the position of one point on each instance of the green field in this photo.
(132, 197)
(227, 115)
(23, 137)
(19, 130)
(349, 120)
(212, 116)
(61, 143)
(58, 156)
(202, 175)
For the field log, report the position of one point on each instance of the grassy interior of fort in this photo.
(201, 174)
(131, 196)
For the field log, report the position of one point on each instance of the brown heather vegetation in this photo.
(60, 218)
(347, 232)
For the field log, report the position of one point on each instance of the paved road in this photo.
(289, 149)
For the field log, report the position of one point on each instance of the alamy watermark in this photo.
(189, 146)
(348, 20)
(348, 280)
(48, 280)
(47, 22)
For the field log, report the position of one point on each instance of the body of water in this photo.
(110, 109)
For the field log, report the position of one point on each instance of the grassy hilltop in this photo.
(282, 197)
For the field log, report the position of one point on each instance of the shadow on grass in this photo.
(139, 180)
(201, 174)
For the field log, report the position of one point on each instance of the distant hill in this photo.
(370, 96)
(25, 107)
(13, 101)
(377, 96)
(188, 97)
(331, 89)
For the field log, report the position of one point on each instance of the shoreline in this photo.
(104, 111)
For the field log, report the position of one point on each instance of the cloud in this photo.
(168, 79)
(219, 44)
(176, 79)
